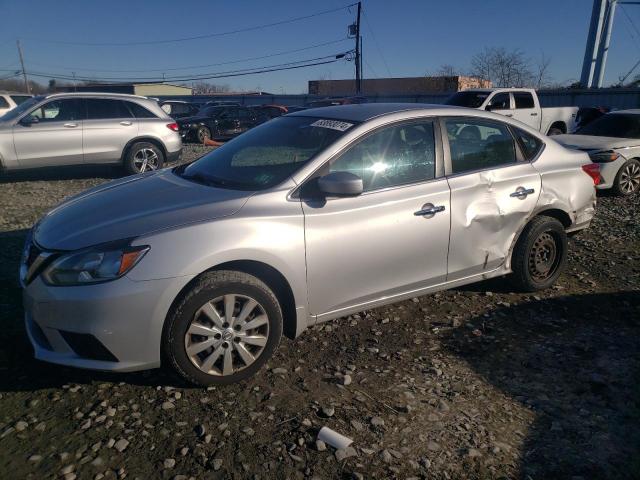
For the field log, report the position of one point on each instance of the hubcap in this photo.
(543, 257)
(227, 334)
(630, 178)
(145, 159)
(203, 134)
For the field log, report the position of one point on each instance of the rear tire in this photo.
(540, 254)
(206, 345)
(143, 157)
(203, 134)
(627, 181)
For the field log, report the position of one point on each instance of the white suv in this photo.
(10, 100)
(88, 128)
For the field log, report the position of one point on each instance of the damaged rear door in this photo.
(493, 193)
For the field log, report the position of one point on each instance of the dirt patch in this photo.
(477, 382)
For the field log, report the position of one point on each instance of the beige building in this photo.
(144, 89)
(396, 86)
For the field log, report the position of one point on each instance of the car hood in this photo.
(131, 207)
(590, 142)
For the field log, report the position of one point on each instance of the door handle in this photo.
(522, 192)
(534, 114)
(429, 210)
(71, 125)
(126, 124)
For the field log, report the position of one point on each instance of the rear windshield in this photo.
(266, 155)
(467, 99)
(20, 98)
(620, 125)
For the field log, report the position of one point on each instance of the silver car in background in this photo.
(613, 142)
(306, 218)
(88, 129)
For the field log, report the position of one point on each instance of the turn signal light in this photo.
(593, 170)
(173, 126)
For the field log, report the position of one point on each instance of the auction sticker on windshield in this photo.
(332, 124)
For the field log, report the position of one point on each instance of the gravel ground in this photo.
(478, 382)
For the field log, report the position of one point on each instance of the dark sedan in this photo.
(218, 122)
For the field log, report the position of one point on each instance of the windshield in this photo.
(20, 109)
(619, 125)
(266, 155)
(467, 99)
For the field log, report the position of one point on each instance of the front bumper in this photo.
(115, 326)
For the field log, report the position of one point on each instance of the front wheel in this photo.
(223, 330)
(628, 178)
(554, 131)
(540, 254)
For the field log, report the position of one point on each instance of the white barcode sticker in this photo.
(332, 124)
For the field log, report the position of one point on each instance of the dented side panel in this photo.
(485, 217)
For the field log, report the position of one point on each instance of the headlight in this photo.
(604, 156)
(92, 266)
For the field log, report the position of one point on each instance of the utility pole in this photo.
(24, 73)
(358, 53)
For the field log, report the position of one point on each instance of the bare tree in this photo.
(447, 70)
(205, 88)
(505, 68)
(542, 78)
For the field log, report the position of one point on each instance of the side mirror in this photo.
(341, 184)
(29, 120)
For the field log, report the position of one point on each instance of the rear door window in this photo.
(104, 109)
(529, 144)
(476, 144)
(523, 99)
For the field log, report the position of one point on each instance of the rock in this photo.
(168, 405)
(321, 446)
(169, 463)
(328, 411)
(85, 424)
(97, 462)
(386, 456)
(433, 446)
(121, 445)
(217, 463)
(35, 458)
(473, 453)
(279, 371)
(377, 421)
(344, 453)
(21, 425)
(67, 469)
(357, 425)
(346, 380)
(443, 406)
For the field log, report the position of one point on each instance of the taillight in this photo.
(593, 170)
(173, 126)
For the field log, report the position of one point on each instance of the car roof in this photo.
(632, 111)
(362, 112)
(96, 94)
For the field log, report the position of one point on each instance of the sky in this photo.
(400, 37)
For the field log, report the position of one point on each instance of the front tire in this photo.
(223, 330)
(554, 131)
(143, 157)
(627, 179)
(540, 254)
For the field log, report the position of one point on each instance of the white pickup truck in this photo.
(521, 104)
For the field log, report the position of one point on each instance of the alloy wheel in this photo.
(145, 159)
(543, 257)
(227, 334)
(630, 178)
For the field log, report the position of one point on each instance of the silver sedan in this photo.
(309, 217)
(613, 142)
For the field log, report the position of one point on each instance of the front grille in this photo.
(87, 346)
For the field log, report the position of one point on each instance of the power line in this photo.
(231, 73)
(375, 41)
(197, 37)
(169, 69)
